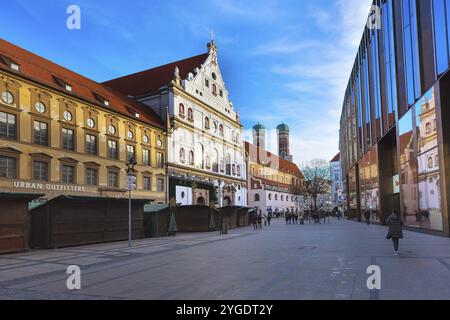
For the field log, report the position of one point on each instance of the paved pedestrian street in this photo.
(327, 261)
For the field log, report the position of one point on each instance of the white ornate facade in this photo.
(206, 159)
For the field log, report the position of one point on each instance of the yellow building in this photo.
(64, 134)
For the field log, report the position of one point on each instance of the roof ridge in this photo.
(154, 68)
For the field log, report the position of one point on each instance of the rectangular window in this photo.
(112, 150)
(131, 152)
(67, 174)
(8, 127)
(411, 47)
(147, 183)
(113, 179)
(160, 160)
(160, 185)
(146, 157)
(207, 83)
(68, 139)
(41, 133)
(8, 167)
(40, 170)
(390, 62)
(440, 35)
(91, 144)
(91, 176)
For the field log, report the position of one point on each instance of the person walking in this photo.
(260, 221)
(269, 218)
(255, 222)
(395, 224)
(367, 216)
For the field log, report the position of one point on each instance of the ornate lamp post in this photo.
(131, 185)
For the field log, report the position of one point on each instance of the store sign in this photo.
(396, 183)
(47, 186)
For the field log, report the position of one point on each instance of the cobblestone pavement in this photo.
(281, 262)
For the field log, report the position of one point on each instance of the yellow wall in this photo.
(25, 146)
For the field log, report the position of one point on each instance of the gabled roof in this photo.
(336, 157)
(150, 81)
(286, 166)
(44, 72)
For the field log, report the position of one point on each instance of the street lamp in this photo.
(131, 185)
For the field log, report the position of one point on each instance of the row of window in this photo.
(41, 172)
(282, 198)
(216, 127)
(395, 66)
(212, 163)
(8, 130)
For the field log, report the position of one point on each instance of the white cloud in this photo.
(317, 79)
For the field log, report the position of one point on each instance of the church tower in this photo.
(259, 136)
(283, 141)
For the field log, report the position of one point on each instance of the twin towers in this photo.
(259, 139)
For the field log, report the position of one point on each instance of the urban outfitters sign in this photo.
(47, 186)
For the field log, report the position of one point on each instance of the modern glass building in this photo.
(395, 128)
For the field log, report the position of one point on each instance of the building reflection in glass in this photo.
(420, 178)
(369, 191)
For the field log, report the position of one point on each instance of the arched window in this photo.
(428, 127)
(270, 196)
(191, 158)
(282, 198)
(222, 166)
(430, 162)
(182, 155)
(181, 110)
(207, 123)
(233, 170)
(257, 198)
(208, 162)
(215, 160)
(214, 90)
(239, 171)
(190, 114)
(228, 164)
(221, 130)
(276, 197)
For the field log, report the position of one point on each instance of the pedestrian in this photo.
(367, 216)
(286, 217)
(255, 223)
(395, 223)
(296, 218)
(265, 219)
(269, 218)
(260, 221)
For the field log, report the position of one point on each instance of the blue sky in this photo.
(283, 61)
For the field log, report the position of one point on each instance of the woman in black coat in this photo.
(395, 223)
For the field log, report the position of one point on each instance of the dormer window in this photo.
(101, 99)
(63, 84)
(15, 66)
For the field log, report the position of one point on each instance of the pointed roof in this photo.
(151, 80)
(336, 157)
(254, 153)
(38, 69)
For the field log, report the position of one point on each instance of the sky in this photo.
(283, 60)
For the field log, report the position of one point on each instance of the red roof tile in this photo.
(284, 165)
(150, 81)
(336, 157)
(50, 74)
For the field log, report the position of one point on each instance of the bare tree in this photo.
(317, 180)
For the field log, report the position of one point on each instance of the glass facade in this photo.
(392, 110)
